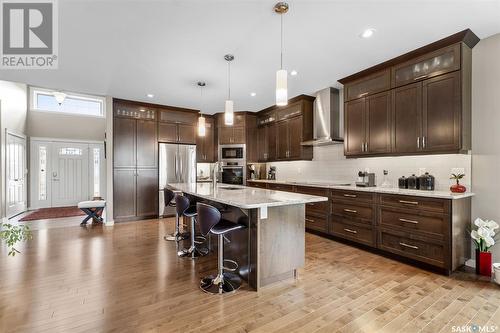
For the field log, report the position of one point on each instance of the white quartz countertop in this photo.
(393, 190)
(245, 197)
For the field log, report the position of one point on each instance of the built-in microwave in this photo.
(232, 152)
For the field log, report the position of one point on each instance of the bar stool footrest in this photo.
(231, 283)
(232, 262)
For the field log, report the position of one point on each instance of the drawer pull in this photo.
(310, 220)
(350, 195)
(409, 246)
(350, 210)
(408, 202)
(408, 221)
(350, 231)
(310, 204)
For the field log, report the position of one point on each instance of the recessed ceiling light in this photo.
(294, 72)
(253, 94)
(367, 33)
(150, 95)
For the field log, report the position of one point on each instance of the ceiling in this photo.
(128, 49)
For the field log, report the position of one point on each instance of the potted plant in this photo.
(457, 188)
(13, 234)
(483, 238)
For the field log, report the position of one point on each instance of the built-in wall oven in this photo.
(234, 170)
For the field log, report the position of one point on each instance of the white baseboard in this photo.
(109, 223)
(471, 263)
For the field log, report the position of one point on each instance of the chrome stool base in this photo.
(192, 252)
(179, 237)
(228, 283)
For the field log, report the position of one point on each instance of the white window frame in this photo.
(34, 91)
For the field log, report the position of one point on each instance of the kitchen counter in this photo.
(245, 197)
(348, 186)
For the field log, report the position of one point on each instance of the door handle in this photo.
(423, 142)
(408, 221)
(418, 143)
(350, 195)
(409, 246)
(408, 202)
(350, 231)
(350, 210)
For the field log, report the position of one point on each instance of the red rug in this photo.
(52, 213)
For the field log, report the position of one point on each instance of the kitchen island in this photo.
(272, 247)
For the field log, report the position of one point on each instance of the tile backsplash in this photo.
(329, 164)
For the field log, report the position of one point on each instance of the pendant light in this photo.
(281, 75)
(201, 120)
(229, 106)
(59, 96)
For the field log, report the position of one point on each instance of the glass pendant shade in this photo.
(281, 87)
(201, 126)
(59, 96)
(229, 113)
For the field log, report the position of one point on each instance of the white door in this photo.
(69, 173)
(15, 163)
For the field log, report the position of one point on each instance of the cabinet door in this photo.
(271, 142)
(146, 144)
(167, 132)
(294, 137)
(441, 113)
(282, 140)
(209, 146)
(407, 118)
(225, 135)
(238, 135)
(262, 143)
(147, 192)
(378, 123)
(124, 203)
(124, 143)
(368, 85)
(354, 127)
(187, 134)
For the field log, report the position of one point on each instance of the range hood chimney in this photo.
(328, 121)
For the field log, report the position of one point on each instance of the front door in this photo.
(15, 174)
(69, 173)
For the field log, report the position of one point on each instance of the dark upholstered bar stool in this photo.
(169, 196)
(210, 221)
(183, 208)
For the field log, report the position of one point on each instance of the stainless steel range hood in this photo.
(328, 122)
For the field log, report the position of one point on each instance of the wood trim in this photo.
(151, 105)
(290, 101)
(466, 36)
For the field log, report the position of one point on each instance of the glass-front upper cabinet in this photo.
(432, 64)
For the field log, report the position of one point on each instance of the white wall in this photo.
(486, 131)
(108, 213)
(13, 110)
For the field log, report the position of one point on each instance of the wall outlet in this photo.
(456, 171)
(421, 171)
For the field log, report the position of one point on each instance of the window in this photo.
(70, 151)
(42, 173)
(44, 100)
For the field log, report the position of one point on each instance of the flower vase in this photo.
(483, 263)
(458, 188)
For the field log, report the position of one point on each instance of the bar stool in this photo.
(169, 196)
(210, 221)
(183, 208)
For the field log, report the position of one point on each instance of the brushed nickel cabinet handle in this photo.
(362, 146)
(408, 202)
(363, 94)
(310, 204)
(409, 246)
(350, 210)
(408, 221)
(350, 195)
(423, 142)
(350, 231)
(310, 220)
(418, 143)
(421, 77)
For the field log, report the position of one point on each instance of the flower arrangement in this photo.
(484, 235)
(457, 188)
(12, 234)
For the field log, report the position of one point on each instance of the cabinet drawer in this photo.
(322, 207)
(432, 224)
(360, 213)
(318, 223)
(352, 195)
(258, 185)
(322, 192)
(416, 203)
(354, 232)
(280, 187)
(372, 84)
(422, 249)
(439, 62)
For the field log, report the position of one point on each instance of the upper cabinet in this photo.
(177, 126)
(205, 145)
(417, 103)
(232, 134)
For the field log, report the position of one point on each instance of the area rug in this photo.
(52, 213)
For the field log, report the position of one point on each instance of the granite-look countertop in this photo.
(243, 196)
(339, 185)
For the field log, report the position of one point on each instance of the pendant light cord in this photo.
(201, 100)
(229, 79)
(281, 54)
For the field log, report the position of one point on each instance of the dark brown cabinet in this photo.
(289, 135)
(177, 133)
(266, 142)
(205, 145)
(425, 109)
(231, 135)
(146, 187)
(147, 144)
(124, 139)
(124, 194)
(368, 125)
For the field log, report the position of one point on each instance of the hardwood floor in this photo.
(126, 278)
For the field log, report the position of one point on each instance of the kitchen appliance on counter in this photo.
(427, 182)
(403, 182)
(233, 164)
(177, 164)
(271, 175)
(413, 182)
(365, 179)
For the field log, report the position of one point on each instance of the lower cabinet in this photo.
(356, 232)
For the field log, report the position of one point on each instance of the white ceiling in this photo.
(128, 49)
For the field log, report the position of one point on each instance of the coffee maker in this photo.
(365, 179)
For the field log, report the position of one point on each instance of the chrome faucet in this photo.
(215, 173)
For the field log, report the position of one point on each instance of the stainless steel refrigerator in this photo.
(177, 165)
